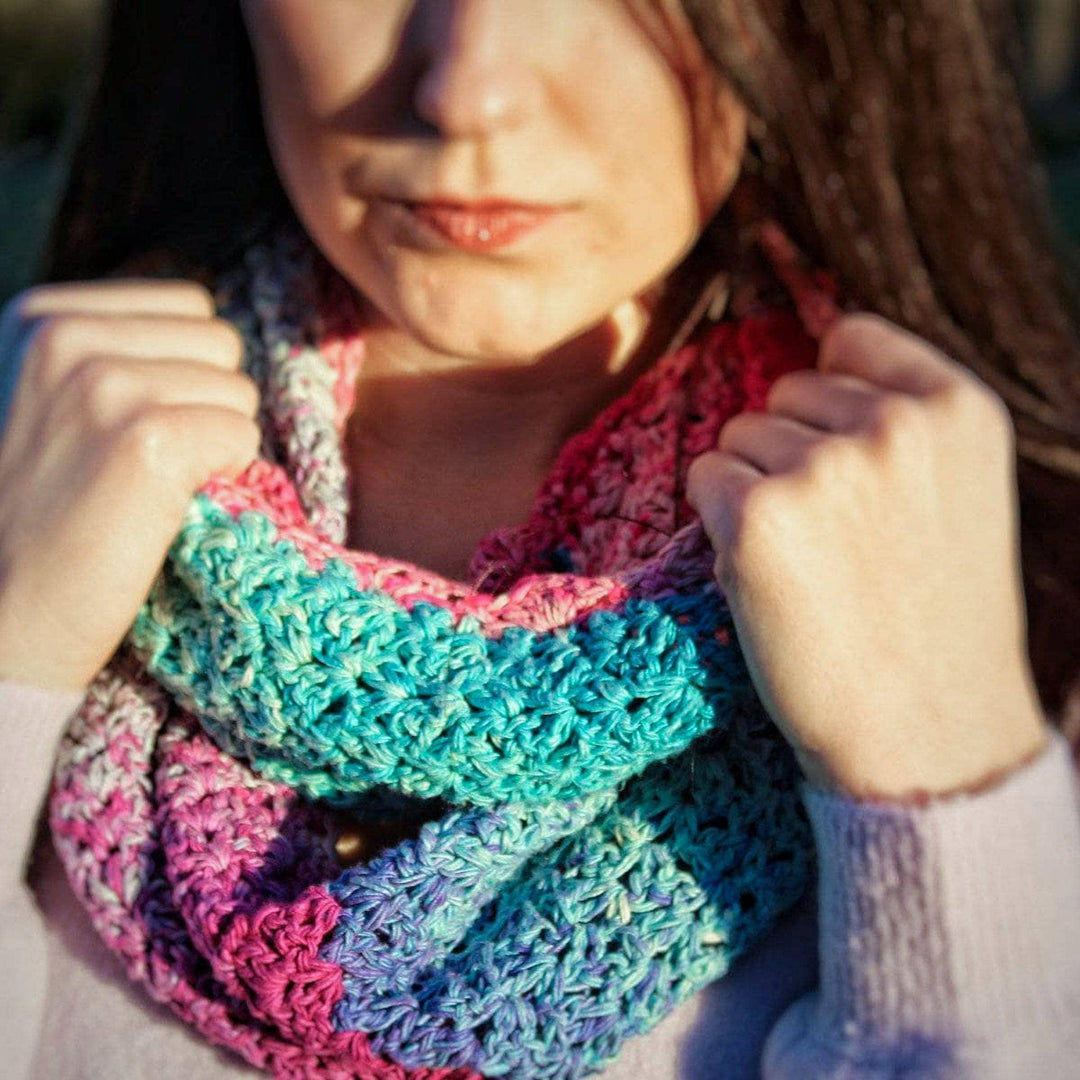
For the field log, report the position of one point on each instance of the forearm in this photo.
(949, 935)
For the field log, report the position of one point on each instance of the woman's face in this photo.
(495, 176)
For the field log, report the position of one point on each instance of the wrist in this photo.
(899, 766)
(26, 661)
(24, 668)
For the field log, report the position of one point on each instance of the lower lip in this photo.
(476, 228)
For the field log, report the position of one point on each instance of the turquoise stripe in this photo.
(530, 941)
(334, 690)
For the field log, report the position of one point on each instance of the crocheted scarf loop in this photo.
(611, 817)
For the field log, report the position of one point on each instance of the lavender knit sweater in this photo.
(949, 938)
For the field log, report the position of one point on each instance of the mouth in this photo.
(479, 226)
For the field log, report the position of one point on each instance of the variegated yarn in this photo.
(612, 819)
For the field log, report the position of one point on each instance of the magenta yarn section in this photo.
(209, 885)
(213, 885)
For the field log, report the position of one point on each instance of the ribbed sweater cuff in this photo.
(958, 917)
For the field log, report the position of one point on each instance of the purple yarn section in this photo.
(493, 942)
(208, 882)
(522, 939)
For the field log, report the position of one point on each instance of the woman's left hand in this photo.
(866, 529)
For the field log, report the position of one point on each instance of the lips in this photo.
(484, 226)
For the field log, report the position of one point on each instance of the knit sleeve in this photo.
(30, 721)
(949, 935)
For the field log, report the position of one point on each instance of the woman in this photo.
(534, 201)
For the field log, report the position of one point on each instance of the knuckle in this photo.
(191, 296)
(785, 386)
(851, 331)
(57, 338)
(830, 459)
(200, 296)
(967, 401)
(760, 511)
(999, 418)
(734, 429)
(893, 417)
(101, 385)
(251, 439)
(46, 359)
(146, 440)
(30, 304)
(250, 393)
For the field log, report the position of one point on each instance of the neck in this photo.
(411, 399)
(442, 450)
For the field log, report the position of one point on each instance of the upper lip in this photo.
(420, 182)
(490, 204)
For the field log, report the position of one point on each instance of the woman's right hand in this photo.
(128, 398)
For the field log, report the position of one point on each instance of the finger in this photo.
(57, 344)
(176, 298)
(886, 356)
(224, 442)
(838, 403)
(182, 446)
(106, 389)
(772, 444)
(717, 484)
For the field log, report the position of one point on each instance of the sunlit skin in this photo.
(562, 105)
(566, 110)
(865, 523)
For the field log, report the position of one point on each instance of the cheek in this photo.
(717, 119)
(654, 190)
(315, 62)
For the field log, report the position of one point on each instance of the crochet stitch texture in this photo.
(617, 816)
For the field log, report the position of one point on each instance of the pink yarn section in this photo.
(228, 935)
(599, 503)
(615, 498)
(339, 343)
(210, 883)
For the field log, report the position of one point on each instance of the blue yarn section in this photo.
(529, 941)
(334, 690)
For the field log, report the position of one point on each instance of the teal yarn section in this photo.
(530, 941)
(335, 690)
(618, 818)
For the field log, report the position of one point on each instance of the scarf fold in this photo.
(612, 817)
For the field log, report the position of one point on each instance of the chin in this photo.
(483, 345)
(486, 323)
(499, 312)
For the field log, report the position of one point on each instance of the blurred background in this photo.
(48, 50)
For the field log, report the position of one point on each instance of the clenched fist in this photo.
(127, 400)
(865, 526)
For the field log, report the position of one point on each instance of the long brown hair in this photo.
(890, 137)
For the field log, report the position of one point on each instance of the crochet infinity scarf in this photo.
(611, 817)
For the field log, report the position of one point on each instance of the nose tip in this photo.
(476, 77)
(469, 99)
